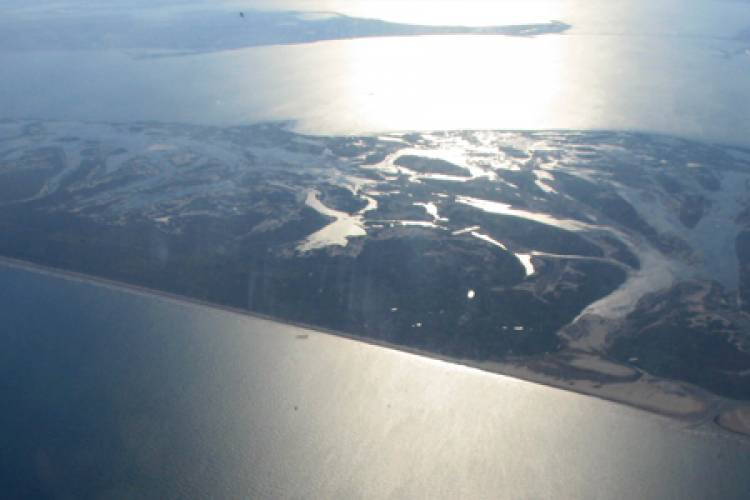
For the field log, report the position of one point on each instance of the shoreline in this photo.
(701, 410)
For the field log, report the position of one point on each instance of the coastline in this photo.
(696, 408)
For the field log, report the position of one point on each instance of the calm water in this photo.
(114, 394)
(109, 393)
(633, 65)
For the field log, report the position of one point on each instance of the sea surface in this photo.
(670, 67)
(114, 393)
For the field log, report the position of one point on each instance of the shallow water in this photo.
(668, 69)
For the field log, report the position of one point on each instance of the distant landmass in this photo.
(613, 263)
(211, 30)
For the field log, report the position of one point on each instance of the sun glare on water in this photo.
(454, 81)
(446, 81)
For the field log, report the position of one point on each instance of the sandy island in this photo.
(737, 420)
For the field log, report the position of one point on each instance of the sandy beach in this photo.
(679, 402)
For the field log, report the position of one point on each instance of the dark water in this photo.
(109, 393)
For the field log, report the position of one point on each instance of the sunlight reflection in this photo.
(454, 81)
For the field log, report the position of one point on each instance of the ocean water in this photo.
(114, 394)
(667, 68)
(111, 393)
